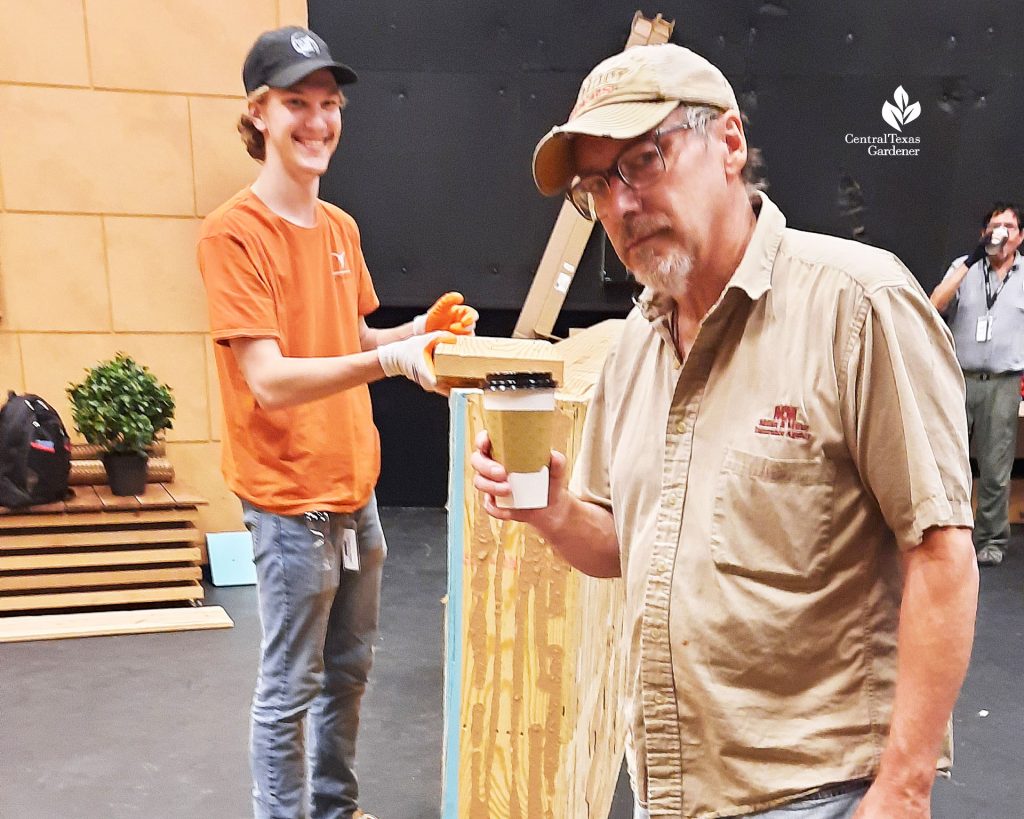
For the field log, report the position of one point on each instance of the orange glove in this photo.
(448, 313)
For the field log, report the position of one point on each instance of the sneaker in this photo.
(362, 815)
(990, 555)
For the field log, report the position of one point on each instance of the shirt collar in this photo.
(753, 275)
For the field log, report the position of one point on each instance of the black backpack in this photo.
(35, 452)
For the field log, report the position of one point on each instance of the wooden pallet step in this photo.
(86, 598)
(108, 537)
(122, 577)
(68, 560)
(82, 519)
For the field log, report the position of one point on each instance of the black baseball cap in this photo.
(284, 56)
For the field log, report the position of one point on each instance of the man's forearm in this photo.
(936, 631)
(583, 534)
(287, 382)
(374, 337)
(944, 292)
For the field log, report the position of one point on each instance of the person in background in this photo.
(288, 292)
(982, 299)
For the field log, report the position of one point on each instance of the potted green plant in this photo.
(121, 407)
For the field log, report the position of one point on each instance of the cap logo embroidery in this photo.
(598, 86)
(784, 423)
(304, 44)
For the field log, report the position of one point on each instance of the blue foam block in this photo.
(231, 558)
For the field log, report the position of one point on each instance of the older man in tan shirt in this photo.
(775, 460)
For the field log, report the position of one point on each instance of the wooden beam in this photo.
(571, 232)
(468, 361)
(98, 624)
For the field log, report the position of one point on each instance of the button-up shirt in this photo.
(1004, 351)
(761, 493)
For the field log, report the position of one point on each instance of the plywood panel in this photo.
(534, 726)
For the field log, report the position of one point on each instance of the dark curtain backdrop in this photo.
(452, 97)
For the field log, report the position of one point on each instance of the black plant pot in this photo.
(126, 472)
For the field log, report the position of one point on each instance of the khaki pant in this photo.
(992, 405)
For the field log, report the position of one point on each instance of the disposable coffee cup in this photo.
(519, 413)
(997, 239)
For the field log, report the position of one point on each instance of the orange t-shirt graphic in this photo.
(306, 287)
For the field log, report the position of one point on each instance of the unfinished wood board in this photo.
(572, 231)
(584, 353)
(471, 358)
(99, 624)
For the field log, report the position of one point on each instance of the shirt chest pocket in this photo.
(772, 518)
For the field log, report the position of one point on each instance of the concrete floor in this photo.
(155, 726)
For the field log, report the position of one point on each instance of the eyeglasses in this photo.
(639, 166)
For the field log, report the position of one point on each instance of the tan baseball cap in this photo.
(625, 96)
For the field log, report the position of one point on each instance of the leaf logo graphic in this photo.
(901, 113)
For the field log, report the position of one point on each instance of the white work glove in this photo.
(413, 357)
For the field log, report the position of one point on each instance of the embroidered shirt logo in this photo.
(343, 269)
(785, 424)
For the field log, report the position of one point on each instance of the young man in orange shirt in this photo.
(288, 291)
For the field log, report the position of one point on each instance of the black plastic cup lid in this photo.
(520, 381)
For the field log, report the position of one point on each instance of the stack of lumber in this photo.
(533, 672)
(98, 563)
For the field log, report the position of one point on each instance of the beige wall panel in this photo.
(198, 466)
(43, 41)
(53, 360)
(293, 13)
(216, 410)
(65, 253)
(154, 279)
(10, 365)
(189, 46)
(68, 150)
(221, 164)
(179, 361)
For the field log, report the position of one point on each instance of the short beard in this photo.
(665, 275)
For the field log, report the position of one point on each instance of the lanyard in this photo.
(990, 297)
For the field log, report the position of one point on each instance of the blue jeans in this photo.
(319, 624)
(833, 802)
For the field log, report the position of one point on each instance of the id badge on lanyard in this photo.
(984, 330)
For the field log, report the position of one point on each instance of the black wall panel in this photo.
(452, 98)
